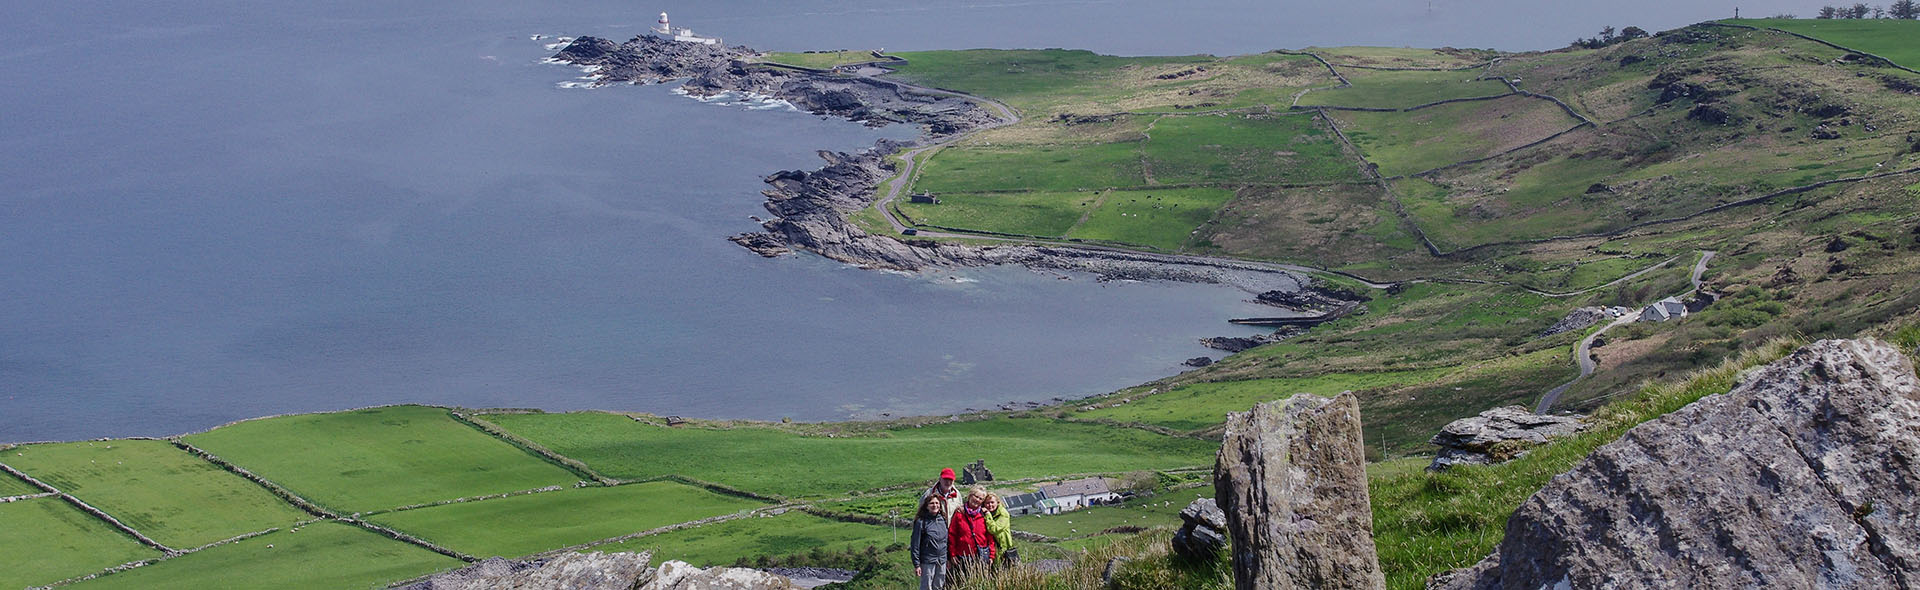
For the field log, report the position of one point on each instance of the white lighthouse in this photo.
(665, 29)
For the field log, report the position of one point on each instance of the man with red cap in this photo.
(948, 493)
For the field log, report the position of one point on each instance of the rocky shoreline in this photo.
(810, 207)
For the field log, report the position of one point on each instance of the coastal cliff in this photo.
(811, 206)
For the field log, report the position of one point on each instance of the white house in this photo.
(1079, 493)
(1663, 310)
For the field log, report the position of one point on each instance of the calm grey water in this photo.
(216, 210)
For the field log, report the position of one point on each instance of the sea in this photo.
(219, 209)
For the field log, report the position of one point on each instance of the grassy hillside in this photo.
(1599, 181)
(1891, 39)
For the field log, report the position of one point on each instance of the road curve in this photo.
(1583, 352)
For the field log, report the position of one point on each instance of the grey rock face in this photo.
(678, 575)
(1470, 441)
(1291, 478)
(1801, 477)
(1578, 319)
(571, 571)
(1203, 532)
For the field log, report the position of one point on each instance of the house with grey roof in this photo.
(1663, 310)
(1079, 493)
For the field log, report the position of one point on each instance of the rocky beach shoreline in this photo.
(810, 207)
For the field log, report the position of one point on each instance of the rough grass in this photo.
(1399, 89)
(46, 540)
(1043, 168)
(161, 491)
(320, 555)
(818, 59)
(1032, 80)
(379, 458)
(1202, 405)
(1161, 510)
(726, 542)
(1427, 523)
(1327, 226)
(1163, 219)
(1891, 39)
(771, 460)
(1403, 57)
(1237, 148)
(1408, 142)
(1149, 565)
(1047, 214)
(14, 486)
(532, 523)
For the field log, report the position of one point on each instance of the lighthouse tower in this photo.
(664, 28)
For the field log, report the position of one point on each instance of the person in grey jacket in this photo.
(927, 545)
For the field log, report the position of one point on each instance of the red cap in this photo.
(946, 473)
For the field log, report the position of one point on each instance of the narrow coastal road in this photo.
(1583, 352)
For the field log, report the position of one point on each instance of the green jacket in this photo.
(1000, 526)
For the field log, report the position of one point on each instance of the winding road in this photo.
(1583, 352)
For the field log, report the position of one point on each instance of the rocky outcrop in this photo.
(647, 59)
(1801, 477)
(1291, 477)
(1497, 435)
(677, 575)
(598, 571)
(1578, 319)
(1239, 343)
(1203, 530)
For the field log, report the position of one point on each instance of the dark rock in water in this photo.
(1198, 361)
(1494, 435)
(1311, 298)
(1202, 533)
(1292, 480)
(1239, 343)
(1801, 477)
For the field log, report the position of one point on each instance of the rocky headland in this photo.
(810, 207)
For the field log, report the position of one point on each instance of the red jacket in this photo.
(966, 534)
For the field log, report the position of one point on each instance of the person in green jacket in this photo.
(999, 525)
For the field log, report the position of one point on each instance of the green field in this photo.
(1246, 149)
(1409, 142)
(1203, 405)
(532, 523)
(14, 486)
(1044, 168)
(46, 540)
(725, 542)
(819, 59)
(773, 461)
(1046, 214)
(380, 458)
(1403, 89)
(1891, 39)
(1160, 510)
(1163, 219)
(1031, 79)
(321, 555)
(161, 491)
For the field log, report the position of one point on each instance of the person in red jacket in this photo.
(968, 542)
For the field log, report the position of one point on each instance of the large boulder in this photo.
(1495, 435)
(568, 571)
(1803, 476)
(599, 571)
(1291, 477)
(1203, 530)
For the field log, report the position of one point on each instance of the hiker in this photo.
(949, 494)
(927, 545)
(1000, 527)
(967, 540)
